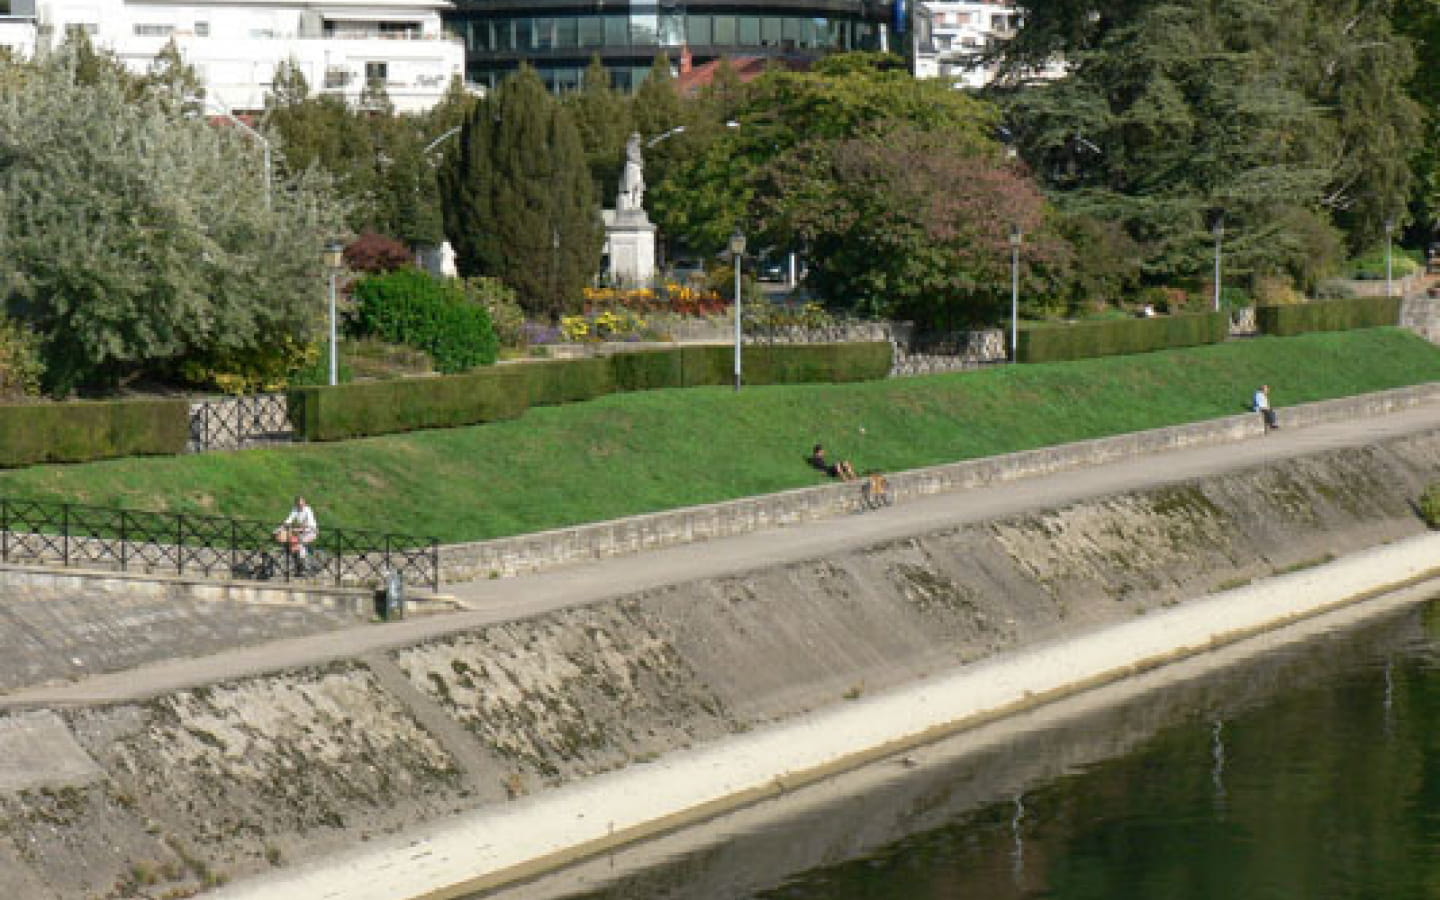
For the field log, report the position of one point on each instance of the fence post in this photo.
(180, 543)
(124, 543)
(65, 534)
(435, 563)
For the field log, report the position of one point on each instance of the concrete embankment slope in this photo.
(179, 787)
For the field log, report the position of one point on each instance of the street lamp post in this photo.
(737, 251)
(1218, 229)
(1016, 235)
(334, 254)
(1389, 271)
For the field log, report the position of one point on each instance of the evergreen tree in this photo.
(656, 107)
(520, 205)
(1290, 115)
(602, 116)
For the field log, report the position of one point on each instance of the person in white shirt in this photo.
(299, 530)
(1262, 406)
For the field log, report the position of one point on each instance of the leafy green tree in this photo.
(1419, 20)
(904, 223)
(893, 188)
(375, 157)
(126, 246)
(520, 203)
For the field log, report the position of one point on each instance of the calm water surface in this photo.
(1310, 773)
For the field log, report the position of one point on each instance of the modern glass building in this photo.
(559, 37)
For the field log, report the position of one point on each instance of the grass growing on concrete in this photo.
(634, 453)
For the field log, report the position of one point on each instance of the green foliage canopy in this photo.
(520, 203)
(1290, 117)
(135, 240)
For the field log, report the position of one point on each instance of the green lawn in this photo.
(642, 452)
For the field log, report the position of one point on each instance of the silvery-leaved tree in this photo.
(139, 240)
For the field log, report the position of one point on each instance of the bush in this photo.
(1081, 340)
(409, 306)
(504, 392)
(1371, 266)
(78, 431)
(1430, 505)
(20, 365)
(376, 254)
(1328, 315)
(507, 317)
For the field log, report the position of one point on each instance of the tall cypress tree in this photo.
(519, 203)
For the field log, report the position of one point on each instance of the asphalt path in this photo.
(498, 600)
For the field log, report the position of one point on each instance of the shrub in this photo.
(504, 392)
(376, 254)
(20, 365)
(1371, 266)
(1120, 336)
(409, 306)
(78, 431)
(507, 317)
(1430, 505)
(1328, 315)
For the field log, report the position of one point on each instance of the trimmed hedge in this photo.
(1115, 337)
(1328, 315)
(80, 431)
(504, 392)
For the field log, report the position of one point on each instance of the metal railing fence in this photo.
(230, 423)
(73, 534)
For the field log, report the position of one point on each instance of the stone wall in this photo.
(547, 549)
(216, 782)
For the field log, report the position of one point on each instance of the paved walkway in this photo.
(493, 601)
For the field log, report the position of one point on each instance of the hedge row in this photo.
(1328, 315)
(81, 431)
(504, 392)
(1115, 337)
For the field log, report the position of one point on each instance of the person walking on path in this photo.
(1262, 406)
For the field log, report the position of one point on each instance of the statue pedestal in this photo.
(629, 247)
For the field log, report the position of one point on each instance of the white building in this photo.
(235, 45)
(951, 32)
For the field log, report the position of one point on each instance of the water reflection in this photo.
(1302, 774)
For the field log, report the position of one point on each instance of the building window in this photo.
(592, 31)
(202, 29)
(376, 72)
(697, 29)
(75, 29)
(336, 78)
(143, 30)
(750, 31)
(617, 31)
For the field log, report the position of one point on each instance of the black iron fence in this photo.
(234, 422)
(72, 534)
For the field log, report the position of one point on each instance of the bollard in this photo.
(390, 597)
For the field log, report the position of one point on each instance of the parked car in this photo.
(687, 271)
(772, 270)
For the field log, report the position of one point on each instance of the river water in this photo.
(1307, 772)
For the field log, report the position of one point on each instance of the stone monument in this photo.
(629, 234)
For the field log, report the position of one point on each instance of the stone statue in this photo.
(632, 181)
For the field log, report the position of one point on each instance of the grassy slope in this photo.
(634, 453)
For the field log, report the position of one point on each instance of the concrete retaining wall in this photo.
(547, 549)
(197, 786)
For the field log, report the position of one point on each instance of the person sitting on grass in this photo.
(842, 469)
